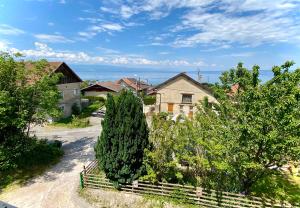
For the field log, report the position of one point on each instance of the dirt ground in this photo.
(58, 187)
(111, 199)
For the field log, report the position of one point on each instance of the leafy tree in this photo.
(267, 119)
(159, 159)
(245, 137)
(120, 148)
(27, 95)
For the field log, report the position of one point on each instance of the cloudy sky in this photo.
(206, 34)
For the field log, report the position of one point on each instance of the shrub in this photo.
(39, 152)
(94, 98)
(149, 100)
(75, 109)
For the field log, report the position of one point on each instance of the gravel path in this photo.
(58, 186)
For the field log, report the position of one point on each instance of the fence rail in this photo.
(190, 194)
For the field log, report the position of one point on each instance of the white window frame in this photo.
(186, 94)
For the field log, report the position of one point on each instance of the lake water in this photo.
(153, 76)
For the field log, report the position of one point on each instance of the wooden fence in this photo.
(207, 198)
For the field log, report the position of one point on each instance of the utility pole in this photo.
(199, 75)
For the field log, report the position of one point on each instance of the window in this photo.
(181, 108)
(187, 98)
(61, 93)
(76, 92)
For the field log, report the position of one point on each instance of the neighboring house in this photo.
(180, 94)
(68, 85)
(133, 84)
(101, 89)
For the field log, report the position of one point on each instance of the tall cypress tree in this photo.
(123, 139)
(104, 143)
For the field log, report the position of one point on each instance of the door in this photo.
(170, 107)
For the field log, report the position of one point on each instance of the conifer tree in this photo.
(120, 148)
(103, 146)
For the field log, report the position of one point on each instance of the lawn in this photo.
(81, 120)
(280, 186)
(33, 162)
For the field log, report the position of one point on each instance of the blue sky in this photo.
(161, 34)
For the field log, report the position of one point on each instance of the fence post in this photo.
(81, 181)
(135, 184)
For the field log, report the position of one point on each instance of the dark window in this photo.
(187, 98)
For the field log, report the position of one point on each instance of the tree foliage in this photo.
(245, 137)
(120, 147)
(27, 95)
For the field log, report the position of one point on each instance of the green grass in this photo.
(281, 186)
(81, 120)
(35, 162)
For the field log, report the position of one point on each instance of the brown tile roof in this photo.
(52, 67)
(111, 85)
(134, 83)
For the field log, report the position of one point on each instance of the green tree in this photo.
(104, 144)
(242, 139)
(256, 128)
(27, 96)
(120, 148)
(266, 117)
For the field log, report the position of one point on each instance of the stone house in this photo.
(68, 85)
(179, 95)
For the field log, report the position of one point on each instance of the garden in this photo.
(237, 145)
(80, 118)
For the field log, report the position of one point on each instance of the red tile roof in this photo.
(134, 83)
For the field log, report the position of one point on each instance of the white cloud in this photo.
(4, 45)
(52, 38)
(93, 30)
(50, 24)
(251, 30)
(112, 26)
(164, 53)
(62, 1)
(9, 30)
(242, 54)
(107, 50)
(42, 50)
(126, 12)
(246, 22)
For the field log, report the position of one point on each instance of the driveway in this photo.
(58, 186)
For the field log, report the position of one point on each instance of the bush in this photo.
(94, 98)
(40, 152)
(149, 100)
(75, 109)
(28, 158)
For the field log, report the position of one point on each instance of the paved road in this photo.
(58, 186)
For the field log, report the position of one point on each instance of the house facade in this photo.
(101, 89)
(69, 87)
(180, 95)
